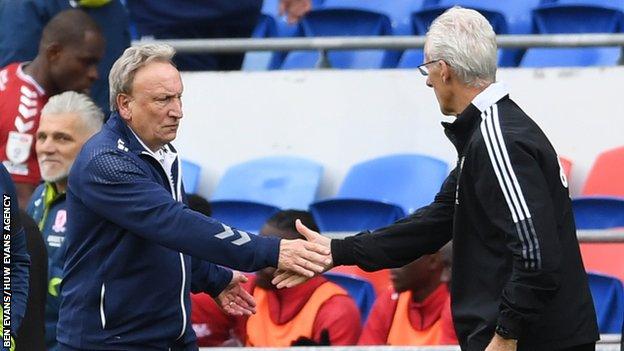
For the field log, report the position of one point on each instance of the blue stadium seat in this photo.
(598, 212)
(571, 57)
(262, 60)
(271, 24)
(190, 176)
(608, 295)
(411, 58)
(397, 10)
(563, 18)
(343, 22)
(610, 4)
(358, 288)
(245, 215)
(354, 214)
(574, 17)
(284, 182)
(379, 191)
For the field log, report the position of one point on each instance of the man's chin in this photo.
(53, 178)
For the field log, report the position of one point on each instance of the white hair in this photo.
(80, 104)
(122, 73)
(466, 41)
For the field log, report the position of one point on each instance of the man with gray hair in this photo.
(67, 121)
(518, 281)
(137, 251)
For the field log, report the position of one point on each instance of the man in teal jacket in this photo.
(67, 121)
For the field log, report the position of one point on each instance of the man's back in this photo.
(542, 278)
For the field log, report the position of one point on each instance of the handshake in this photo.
(299, 260)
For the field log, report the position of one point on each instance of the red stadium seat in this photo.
(607, 174)
(604, 258)
(566, 164)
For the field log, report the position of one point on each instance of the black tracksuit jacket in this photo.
(516, 258)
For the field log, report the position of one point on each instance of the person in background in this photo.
(17, 262)
(411, 312)
(69, 51)
(189, 19)
(24, 21)
(67, 121)
(318, 312)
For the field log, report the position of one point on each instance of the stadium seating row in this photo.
(413, 17)
(377, 192)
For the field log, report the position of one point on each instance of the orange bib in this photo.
(402, 333)
(263, 332)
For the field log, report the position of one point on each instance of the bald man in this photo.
(69, 52)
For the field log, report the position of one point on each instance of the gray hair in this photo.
(122, 73)
(465, 40)
(73, 102)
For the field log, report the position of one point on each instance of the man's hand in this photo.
(294, 9)
(305, 258)
(289, 278)
(286, 279)
(234, 300)
(500, 344)
(315, 237)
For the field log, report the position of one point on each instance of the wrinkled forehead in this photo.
(158, 76)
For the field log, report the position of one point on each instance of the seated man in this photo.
(317, 312)
(67, 121)
(413, 312)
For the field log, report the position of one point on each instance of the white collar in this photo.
(23, 76)
(490, 96)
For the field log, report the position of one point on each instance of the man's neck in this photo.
(145, 145)
(465, 96)
(36, 69)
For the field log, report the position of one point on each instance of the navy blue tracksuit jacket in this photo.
(134, 251)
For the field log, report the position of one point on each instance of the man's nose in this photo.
(176, 109)
(46, 146)
(428, 82)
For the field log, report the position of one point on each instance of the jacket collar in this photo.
(462, 128)
(128, 139)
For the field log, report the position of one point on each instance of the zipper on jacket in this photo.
(102, 315)
(177, 195)
(182, 296)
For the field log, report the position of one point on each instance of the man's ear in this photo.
(53, 52)
(123, 105)
(445, 71)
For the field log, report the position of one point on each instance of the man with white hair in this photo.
(67, 121)
(136, 251)
(518, 281)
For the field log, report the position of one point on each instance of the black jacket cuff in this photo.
(342, 251)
